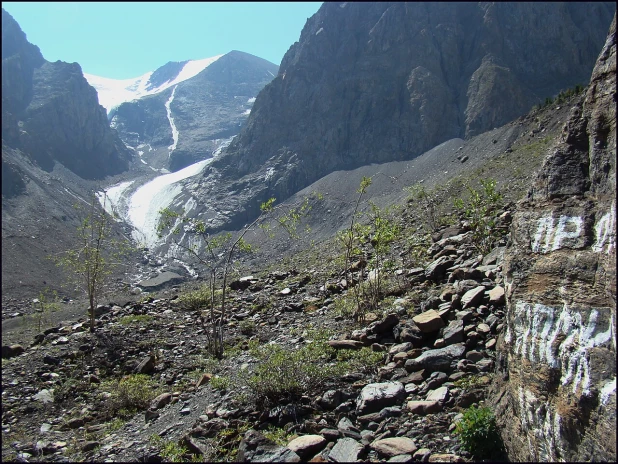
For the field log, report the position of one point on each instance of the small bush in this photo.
(199, 299)
(220, 383)
(469, 382)
(131, 393)
(279, 436)
(115, 424)
(169, 450)
(284, 376)
(247, 327)
(479, 209)
(478, 432)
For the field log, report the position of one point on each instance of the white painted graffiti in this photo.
(567, 229)
(608, 390)
(560, 338)
(567, 232)
(541, 421)
(605, 232)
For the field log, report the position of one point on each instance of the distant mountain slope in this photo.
(377, 82)
(183, 112)
(113, 92)
(51, 114)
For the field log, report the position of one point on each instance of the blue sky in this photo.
(122, 40)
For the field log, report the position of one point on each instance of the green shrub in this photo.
(220, 382)
(199, 299)
(115, 424)
(478, 432)
(283, 375)
(169, 450)
(131, 393)
(479, 209)
(279, 436)
(247, 327)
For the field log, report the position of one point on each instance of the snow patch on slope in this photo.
(113, 92)
(168, 103)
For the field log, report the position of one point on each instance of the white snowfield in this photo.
(113, 92)
(150, 198)
(168, 108)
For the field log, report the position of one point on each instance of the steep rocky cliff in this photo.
(557, 395)
(377, 82)
(56, 141)
(51, 114)
(186, 123)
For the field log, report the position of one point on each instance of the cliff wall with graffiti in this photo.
(556, 392)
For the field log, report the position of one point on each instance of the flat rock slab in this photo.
(45, 396)
(345, 450)
(402, 458)
(496, 295)
(394, 446)
(437, 269)
(346, 344)
(429, 321)
(446, 457)
(163, 279)
(436, 360)
(472, 297)
(376, 396)
(453, 332)
(439, 394)
(255, 447)
(308, 445)
(424, 407)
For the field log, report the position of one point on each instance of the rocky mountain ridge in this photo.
(191, 120)
(56, 146)
(387, 81)
(51, 114)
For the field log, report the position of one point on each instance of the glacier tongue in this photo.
(150, 198)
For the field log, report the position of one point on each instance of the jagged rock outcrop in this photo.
(51, 114)
(377, 82)
(55, 141)
(557, 400)
(186, 123)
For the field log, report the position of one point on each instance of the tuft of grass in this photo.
(199, 299)
(284, 376)
(169, 450)
(130, 394)
(247, 327)
(135, 319)
(115, 424)
(220, 382)
(279, 436)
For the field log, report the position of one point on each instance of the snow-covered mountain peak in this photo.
(113, 92)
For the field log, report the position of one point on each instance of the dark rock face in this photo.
(206, 110)
(559, 352)
(51, 114)
(376, 82)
